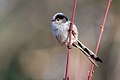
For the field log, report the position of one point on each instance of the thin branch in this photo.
(68, 55)
(99, 39)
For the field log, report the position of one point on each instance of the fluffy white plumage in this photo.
(60, 29)
(62, 33)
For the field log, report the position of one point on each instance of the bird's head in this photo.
(59, 18)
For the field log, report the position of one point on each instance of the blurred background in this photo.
(28, 50)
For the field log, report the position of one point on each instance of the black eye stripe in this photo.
(61, 17)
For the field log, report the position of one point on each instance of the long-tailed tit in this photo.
(61, 29)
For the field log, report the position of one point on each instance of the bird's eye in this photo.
(57, 19)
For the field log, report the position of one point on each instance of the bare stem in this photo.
(99, 39)
(68, 55)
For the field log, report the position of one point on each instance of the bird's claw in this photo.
(69, 47)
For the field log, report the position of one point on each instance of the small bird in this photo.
(61, 29)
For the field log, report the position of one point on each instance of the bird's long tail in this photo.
(90, 55)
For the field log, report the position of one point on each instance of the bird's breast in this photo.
(61, 33)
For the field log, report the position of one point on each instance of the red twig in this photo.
(99, 39)
(71, 25)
